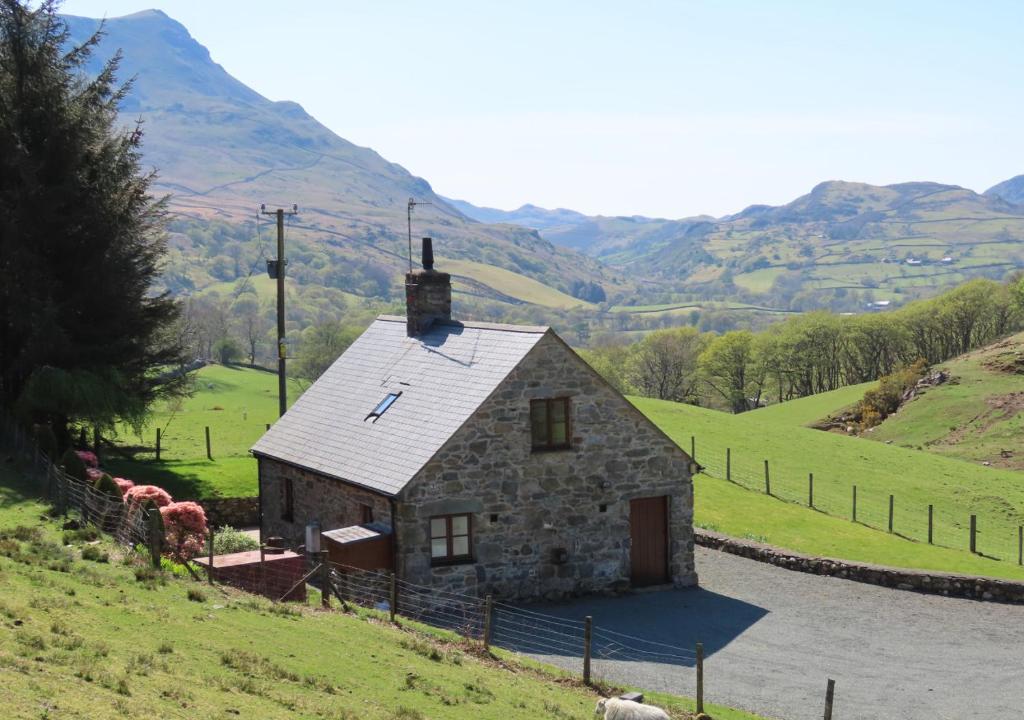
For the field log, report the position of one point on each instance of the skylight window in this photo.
(382, 406)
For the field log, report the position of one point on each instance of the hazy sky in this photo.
(654, 108)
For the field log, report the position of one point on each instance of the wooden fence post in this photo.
(728, 464)
(158, 444)
(587, 629)
(393, 600)
(488, 609)
(325, 580)
(155, 540)
(810, 490)
(700, 678)
(767, 480)
(891, 502)
(830, 691)
(209, 455)
(855, 503)
(931, 513)
(209, 569)
(974, 533)
(693, 447)
(268, 426)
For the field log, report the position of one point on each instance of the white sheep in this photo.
(619, 709)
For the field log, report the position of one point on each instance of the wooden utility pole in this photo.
(282, 375)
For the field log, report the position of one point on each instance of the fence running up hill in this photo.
(829, 492)
(110, 515)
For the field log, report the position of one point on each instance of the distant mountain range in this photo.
(905, 238)
(222, 149)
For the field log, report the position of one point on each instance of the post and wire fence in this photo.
(601, 656)
(831, 493)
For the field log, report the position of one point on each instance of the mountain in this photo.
(222, 149)
(1011, 190)
(530, 216)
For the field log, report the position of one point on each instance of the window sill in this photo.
(541, 450)
(449, 562)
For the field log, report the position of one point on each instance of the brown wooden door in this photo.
(648, 532)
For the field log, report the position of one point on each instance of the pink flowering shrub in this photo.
(124, 485)
(184, 529)
(93, 474)
(89, 458)
(141, 494)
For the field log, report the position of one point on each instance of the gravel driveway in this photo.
(772, 637)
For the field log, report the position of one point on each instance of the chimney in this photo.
(428, 294)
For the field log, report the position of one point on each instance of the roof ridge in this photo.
(501, 327)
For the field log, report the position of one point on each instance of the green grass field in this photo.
(236, 403)
(806, 410)
(916, 479)
(976, 417)
(93, 639)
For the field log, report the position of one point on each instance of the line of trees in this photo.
(811, 353)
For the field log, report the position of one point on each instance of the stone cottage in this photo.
(496, 459)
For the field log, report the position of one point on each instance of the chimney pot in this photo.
(428, 254)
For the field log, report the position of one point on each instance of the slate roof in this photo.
(443, 377)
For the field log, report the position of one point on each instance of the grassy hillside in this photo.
(806, 410)
(236, 403)
(88, 639)
(916, 479)
(511, 283)
(979, 416)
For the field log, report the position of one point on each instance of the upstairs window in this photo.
(382, 406)
(549, 424)
(365, 513)
(450, 539)
(288, 500)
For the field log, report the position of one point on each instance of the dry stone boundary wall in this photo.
(934, 583)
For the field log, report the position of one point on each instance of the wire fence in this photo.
(598, 654)
(830, 490)
(111, 515)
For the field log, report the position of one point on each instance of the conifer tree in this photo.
(82, 324)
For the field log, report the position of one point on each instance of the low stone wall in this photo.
(935, 583)
(236, 512)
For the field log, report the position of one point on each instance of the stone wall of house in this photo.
(237, 512)
(527, 506)
(315, 498)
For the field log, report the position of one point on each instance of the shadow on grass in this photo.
(183, 479)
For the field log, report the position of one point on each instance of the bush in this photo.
(185, 534)
(143, 494)
(74, 466)
(106, 485)
(88, 457)
(882, 401)
(229, 540)
(196, 595)
(92, 552)
(124, 485)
